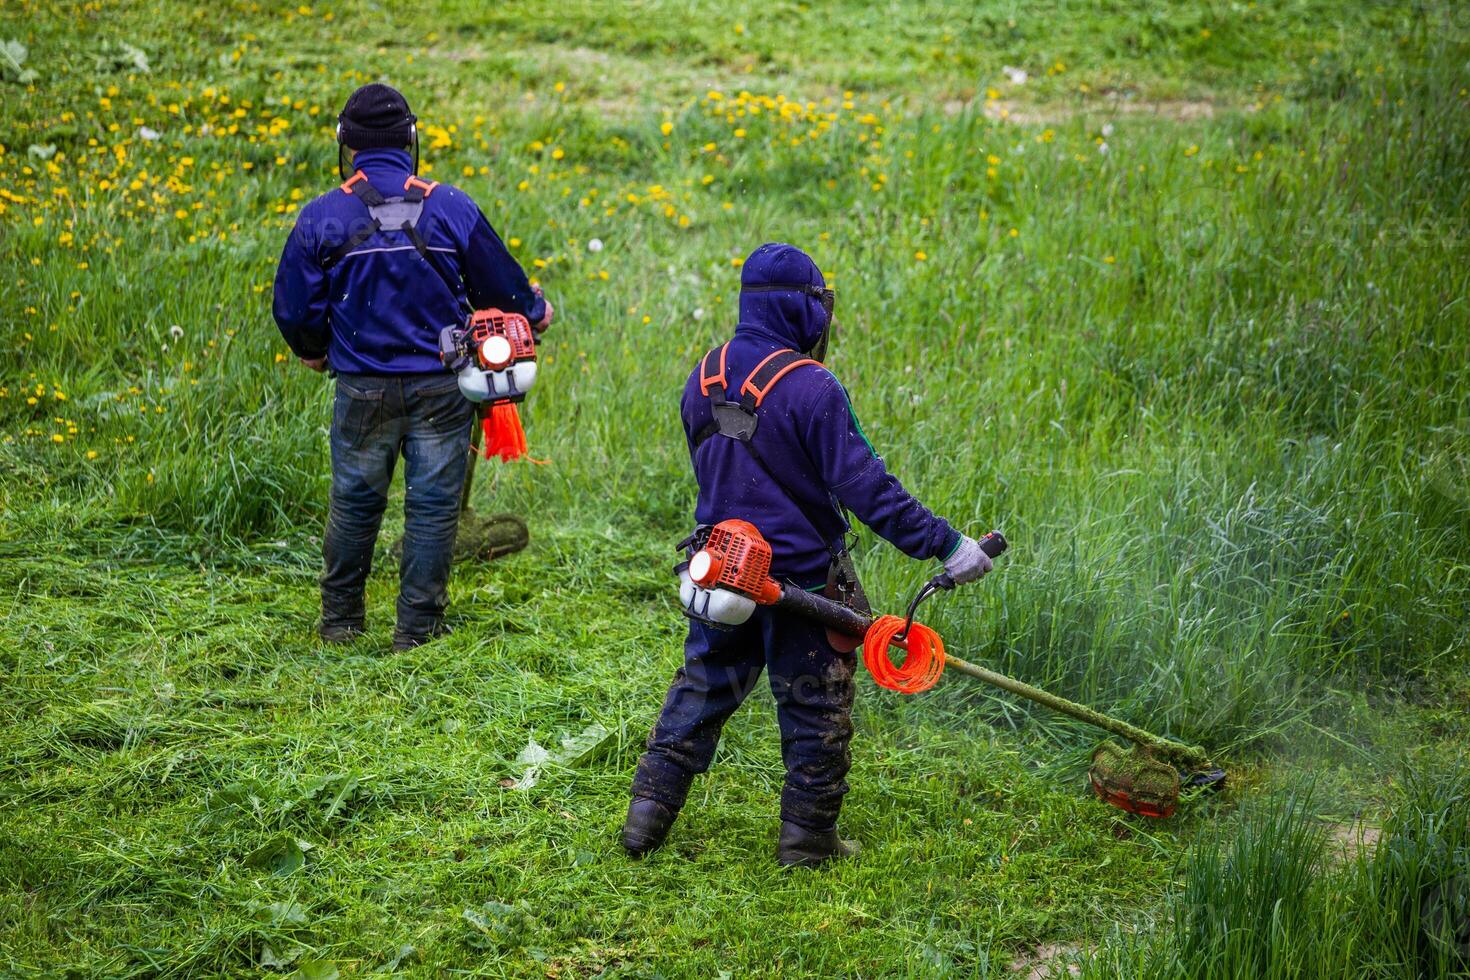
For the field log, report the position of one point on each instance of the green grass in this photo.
(1289, 898)
(1212, 383)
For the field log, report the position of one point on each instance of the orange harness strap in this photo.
(427, 186)
(708, 377)
(775, 367)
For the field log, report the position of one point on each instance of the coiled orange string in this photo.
(923, 660)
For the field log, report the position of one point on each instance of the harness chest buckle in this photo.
(734, 420)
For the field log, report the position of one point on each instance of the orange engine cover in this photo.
(739, 559)
(520, 342)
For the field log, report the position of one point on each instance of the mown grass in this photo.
(1207, 372)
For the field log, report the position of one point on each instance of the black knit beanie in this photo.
(376, 115)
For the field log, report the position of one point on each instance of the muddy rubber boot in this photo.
(803, 848)
(340, 633)
(403, 642)
(647, 825)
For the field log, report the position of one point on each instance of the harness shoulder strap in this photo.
(769, 371)
(712, 371)
(357, 185)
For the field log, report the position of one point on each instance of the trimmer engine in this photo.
(493, 354)
(728, 576)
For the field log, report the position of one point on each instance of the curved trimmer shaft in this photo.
(852, 623)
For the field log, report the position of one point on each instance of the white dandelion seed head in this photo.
(595, 245)
(176, 332)
(1107, 129)
(1017, 76)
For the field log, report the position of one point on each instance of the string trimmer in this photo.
(493, 356)
(729, 575)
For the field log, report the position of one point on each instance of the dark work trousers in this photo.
(375, 419)
(813, 687)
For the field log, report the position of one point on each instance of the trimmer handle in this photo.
(993, 544)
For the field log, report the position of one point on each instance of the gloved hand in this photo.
(968, 562)
(539, 327)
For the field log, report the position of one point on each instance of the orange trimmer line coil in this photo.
(923, 660)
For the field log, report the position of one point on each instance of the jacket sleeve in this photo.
(857, 477)
(300, 300)
(493, 277)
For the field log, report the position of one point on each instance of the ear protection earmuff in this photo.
(413, 139)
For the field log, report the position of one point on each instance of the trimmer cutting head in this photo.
(1137, 781)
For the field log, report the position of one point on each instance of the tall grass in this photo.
(1283, 899)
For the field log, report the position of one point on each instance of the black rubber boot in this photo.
(403, 642)
(339, 633)
(803, 848)
(647, 825)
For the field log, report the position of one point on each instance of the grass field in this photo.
(1184, 312)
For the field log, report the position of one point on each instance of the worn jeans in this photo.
(375, 418)
(813, 687)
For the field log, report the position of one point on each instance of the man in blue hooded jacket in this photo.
(805, 464)
(369, 276)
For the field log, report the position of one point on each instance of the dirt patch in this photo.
(1046, 961)
(1028, 114)
(1347, 841)
(457, 55)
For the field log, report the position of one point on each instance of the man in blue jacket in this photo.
(805, 465)
(371, 273)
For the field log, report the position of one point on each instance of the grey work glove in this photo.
(968, 562)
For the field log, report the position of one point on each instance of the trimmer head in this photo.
(484, 537)
(1136, 781)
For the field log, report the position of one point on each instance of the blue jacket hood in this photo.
(792, 319)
